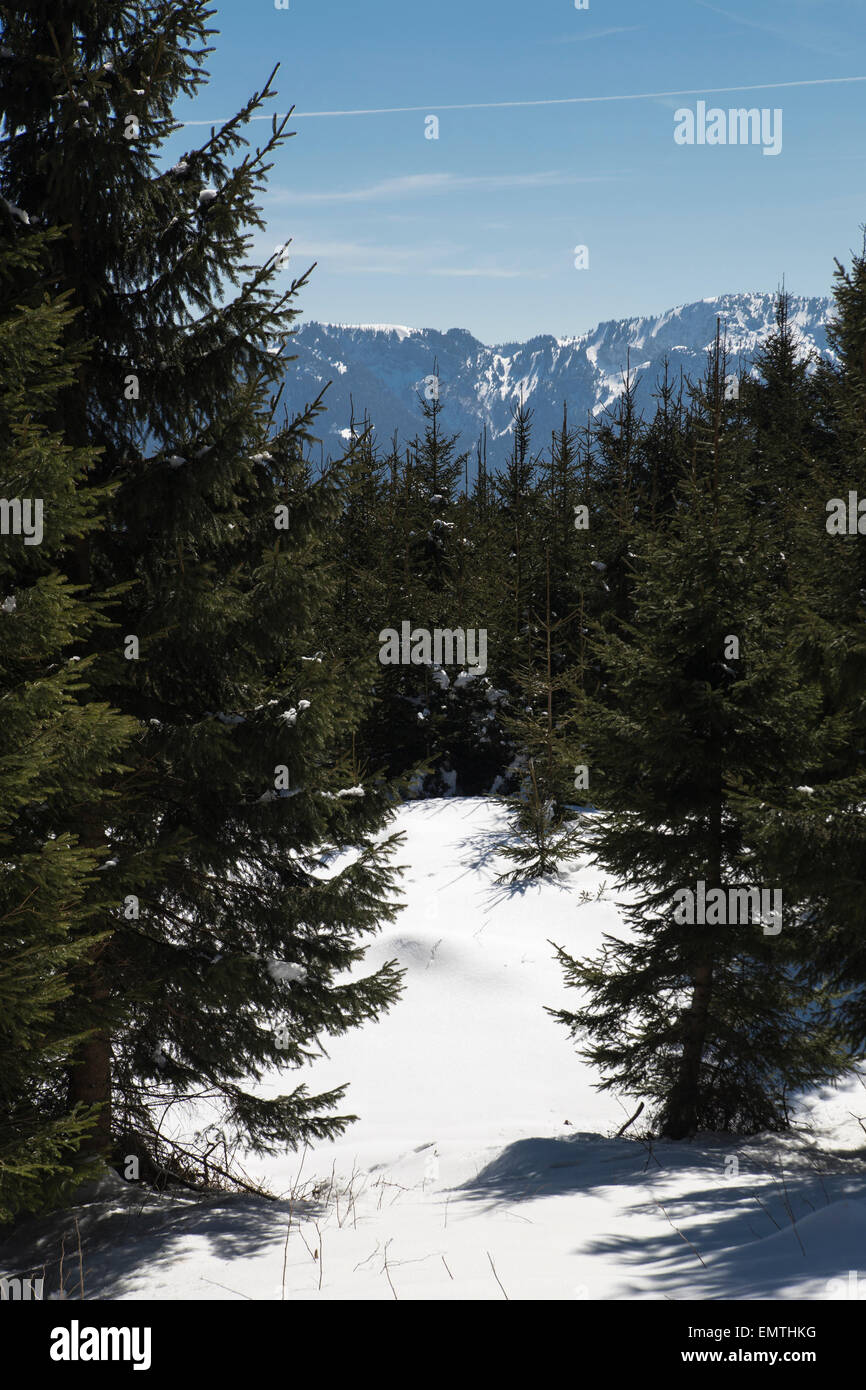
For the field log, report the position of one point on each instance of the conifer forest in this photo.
(432, 775)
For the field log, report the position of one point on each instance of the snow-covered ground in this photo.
(483, 1164)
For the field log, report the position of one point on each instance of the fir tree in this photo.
(60, 750)
(225, 960)
(811, 831)
(435, 472)
(714, 1023)
(545, 836)
(516, 493)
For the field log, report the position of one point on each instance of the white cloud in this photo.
(597, 34)
(361, 258)
(410, 185)
(550, 101)
(479, 272)
(790, 31)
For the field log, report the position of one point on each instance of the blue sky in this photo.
(478, 228)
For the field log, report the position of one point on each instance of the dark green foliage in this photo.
(221, 954)
(716, 1024)
(60, 750)
(201, 743)
(814, 833)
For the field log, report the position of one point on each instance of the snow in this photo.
(484, 382)
(284, 972)
(464, 678)
(400, 329)
(448, 776)
(17, 212)
(290, 716)
(483, 1151)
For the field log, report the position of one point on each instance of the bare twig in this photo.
(648, 1145)
(790, 1210)
(622, 1131)
(80, 1259)
(679, 1232)
(767, 1211)
(388, 1272)
(286, 1247)
(858, 1119)
(232, 1177)
(321, 1259)
(300, 1170)
(496, 1276)
(226, 1287)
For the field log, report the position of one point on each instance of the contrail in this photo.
(548, 101)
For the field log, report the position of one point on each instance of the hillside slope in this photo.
(483, 1159)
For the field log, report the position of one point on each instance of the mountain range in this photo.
(379, 369)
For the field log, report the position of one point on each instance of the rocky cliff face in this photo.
(382, 368)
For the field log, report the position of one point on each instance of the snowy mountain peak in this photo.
(383, 367)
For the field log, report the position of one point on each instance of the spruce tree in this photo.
(60, 750)
(222, 960)
(411, 557)
(435, 472)
(545, 836)
(813, 430)
(516, 491)
(714, 1023)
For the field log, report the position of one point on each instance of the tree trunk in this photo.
(682, 1108)
(681, 1113)
(90, 1075)
(90, 1083)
